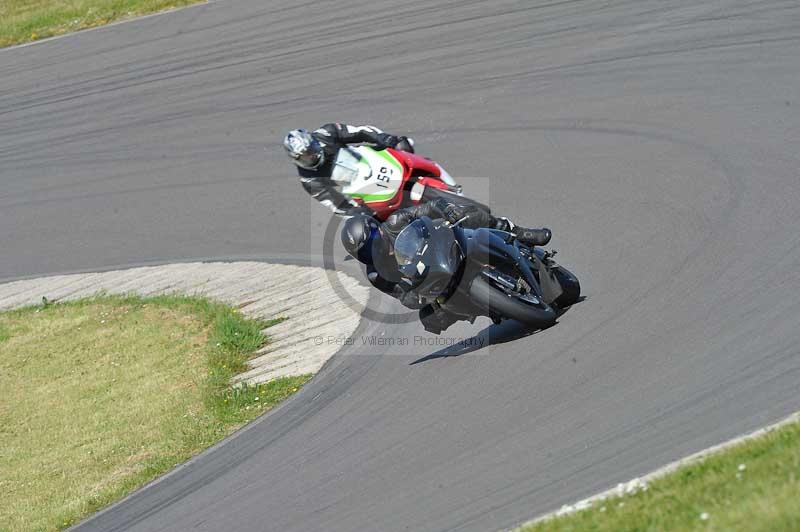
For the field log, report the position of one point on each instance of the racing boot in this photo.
(530, 237)
(533, 237)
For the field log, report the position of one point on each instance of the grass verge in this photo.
(752, 486)
(23, 21)
(102, 395)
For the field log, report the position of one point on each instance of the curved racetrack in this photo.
(658, 138)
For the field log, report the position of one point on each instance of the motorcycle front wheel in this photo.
(500, 303)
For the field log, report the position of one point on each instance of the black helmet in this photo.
(358, 234)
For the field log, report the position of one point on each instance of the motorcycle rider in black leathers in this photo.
(372, 243)
(315, 152)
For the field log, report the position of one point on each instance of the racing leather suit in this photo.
(383, 272)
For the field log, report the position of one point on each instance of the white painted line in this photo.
(301, 294)
(640, 483)
(110, 24)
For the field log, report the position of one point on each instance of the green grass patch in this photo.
(754, 486)
(102, 395)
(28, 20)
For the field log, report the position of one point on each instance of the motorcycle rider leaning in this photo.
(315, 152)
(372, 243)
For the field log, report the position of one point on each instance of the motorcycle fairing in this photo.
(368, 174)
(551, 288)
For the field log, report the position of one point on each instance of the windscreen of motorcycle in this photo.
(410, 243)
(347, 167)
(427, 256)
(368, 174)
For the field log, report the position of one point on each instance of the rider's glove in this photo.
(387, 141)
(405, 144)
(454, 213)
(450, 211)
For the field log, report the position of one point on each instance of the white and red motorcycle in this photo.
(387, 180)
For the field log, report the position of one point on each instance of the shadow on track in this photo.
(506, 331)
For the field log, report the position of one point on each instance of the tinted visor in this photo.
(311, 157)
(410, 242)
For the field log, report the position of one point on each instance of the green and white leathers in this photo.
(367, 174)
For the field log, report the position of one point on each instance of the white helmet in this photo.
(305, 150)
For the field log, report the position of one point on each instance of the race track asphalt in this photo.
(657, 138)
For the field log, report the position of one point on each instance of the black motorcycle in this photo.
(459, 274)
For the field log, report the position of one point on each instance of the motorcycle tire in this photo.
(500, 304)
